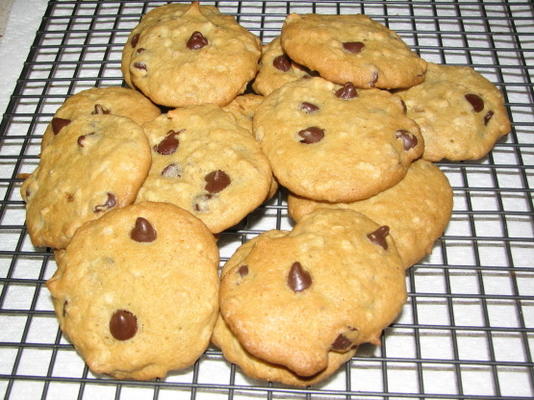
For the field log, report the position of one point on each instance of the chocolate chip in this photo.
(200, 202)
(140, 65)
(81, 139)
(216, 181)
(409, 141)
(476, 101)
(110, 203)
(140, 50)
(58, 124)
(353, 47)
(123, 325)
(379, 236)
(243, 271)
(100, 109)
(342, 343)
(488, 116)
(196, 41)
(311, 135)
(135, 39)
(374, 78)
(169, 144)
(143, 231)
(298, 278)
(348, 91)
(172, 170)
(282, 63)
(308, 107)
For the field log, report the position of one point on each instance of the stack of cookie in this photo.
(345, 117)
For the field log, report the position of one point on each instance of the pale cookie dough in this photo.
(105, 100)
(336, 143)
(333, 282)
(136, 291)
(204, 162)
(417, 209)
(352, 48)
(461, 114)
(96, 163)
(189, 57)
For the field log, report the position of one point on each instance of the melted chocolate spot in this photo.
(169, 144)
(216, 181)
(200, 202)
(243, 271)
(123, 325)
(58, 124)
(100, 109)
(143, 231)
(348, 91)
(135, 39)
(488, 116)
(298, 278)
(111, 202)
(81, 139)
(342, 343)
(409, 141)
(196, 41)
(282, 63)
(379, 236)
(476, 101)
(353, 47)
(140, 65)
(311, 135)
(374, 78)
(140, 50)
(172, 170)
(308, 107)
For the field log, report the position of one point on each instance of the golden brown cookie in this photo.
(136, 291)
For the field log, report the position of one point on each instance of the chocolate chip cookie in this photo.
(190, 56)
(96, 163)
(204, 162)
(333, 282)
(351, 48)
(336, 143)
(105, 100)
(136, 291)
(461, 113)
(417, 209)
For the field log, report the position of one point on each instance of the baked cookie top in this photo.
(136, 291)
(192, 56)
(417, 209)
(205, 163)
(336, 143)
(95, 164)
(104, 100)
(333, 282)
(351, 48)
(461, 114)
(276, 69)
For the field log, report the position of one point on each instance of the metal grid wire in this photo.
(467, 330)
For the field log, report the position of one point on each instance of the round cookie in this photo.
(105, 100)
(189, 57)
(136, 291)
(333, 282)
(336, 143)
(417, 209)
(461, 114)
(205, 163)
(97, 163)
(276, 69)
(351, 48)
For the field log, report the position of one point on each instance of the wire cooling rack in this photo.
(467, 330)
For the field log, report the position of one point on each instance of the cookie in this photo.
(336, 143)
(277, 69)
(136, 291)
(190, 56)
(243, 108)
(351, 48)
(105, 100)
(204, 162)
(96, 163)
(333, 282)
(461, 114)
(417, 209)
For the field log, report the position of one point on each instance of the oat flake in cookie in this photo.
(351, 48)
(136, 291)
(187, 56)
(461, 114)
(336, 143)
(97, 163)
(333, 282)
